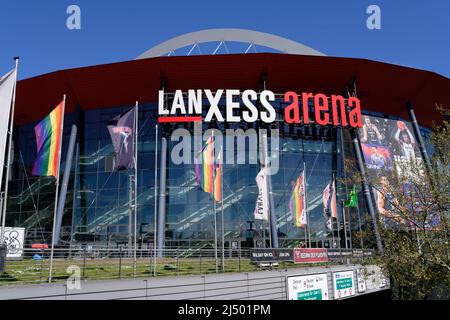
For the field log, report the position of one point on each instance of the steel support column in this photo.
(366, 190)
(419, 138)
(162, 198)
(65, 183)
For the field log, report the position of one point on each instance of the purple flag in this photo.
(121, 129)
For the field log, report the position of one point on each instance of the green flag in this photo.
(353, 202)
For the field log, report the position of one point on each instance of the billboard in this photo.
(310, 255)
(271, 255)
(310, 287)
(14, 240)
(388, 145)
(343, 284)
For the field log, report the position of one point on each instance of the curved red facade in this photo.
(382, 87)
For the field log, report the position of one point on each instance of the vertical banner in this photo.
(388, 145)
(297, 203)
(329, 204)
(121, 130)
(262, 202)
(6, 92)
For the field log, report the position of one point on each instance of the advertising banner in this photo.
(14, 240)
(310, 255)
(344, 284)
(339, 254)
(389, 145)
(271, 255)
(310, 287)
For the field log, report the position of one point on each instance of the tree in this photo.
(413, 205)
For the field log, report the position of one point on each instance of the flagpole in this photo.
(337, 214)
(214, 204)
(8, 168)
(156, 201)
(136, 124)
(57, 190)
(345, 224)
(306, 205)
(223, 220)
(264, 156)
(349, 235)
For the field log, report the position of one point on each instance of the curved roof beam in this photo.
(234, 35)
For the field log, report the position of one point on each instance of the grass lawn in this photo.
(28, 271)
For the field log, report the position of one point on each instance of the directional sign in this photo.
(310, 287)
(343, 284)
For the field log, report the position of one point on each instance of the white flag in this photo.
(6, 91)
(262, 203)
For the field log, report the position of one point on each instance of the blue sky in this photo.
(414, 33)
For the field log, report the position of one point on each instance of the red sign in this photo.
(310, 255)
(39, 246)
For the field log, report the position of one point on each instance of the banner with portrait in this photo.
(389, 145)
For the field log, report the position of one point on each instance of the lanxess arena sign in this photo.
(327, 110)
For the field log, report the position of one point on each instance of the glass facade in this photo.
(98, 201)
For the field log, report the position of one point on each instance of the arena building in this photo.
(97, 205)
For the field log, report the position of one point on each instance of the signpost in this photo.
(310, 287)
(343, 284)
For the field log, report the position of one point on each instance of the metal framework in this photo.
(222, 36)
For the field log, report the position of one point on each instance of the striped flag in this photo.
(218, 181)
(48, 135)
(297, 203)
(329, 200)
(204, 171)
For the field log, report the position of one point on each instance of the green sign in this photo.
(345, 283)
(310, 295)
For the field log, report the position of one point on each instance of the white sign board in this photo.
(310, 287)
(14, 240)
(343, 284)
(375, 279)
(361, 281)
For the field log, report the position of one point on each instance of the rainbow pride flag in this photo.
(296, 204)
(204, 171)
(208, 173)
(48, 135)
(218, 181)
